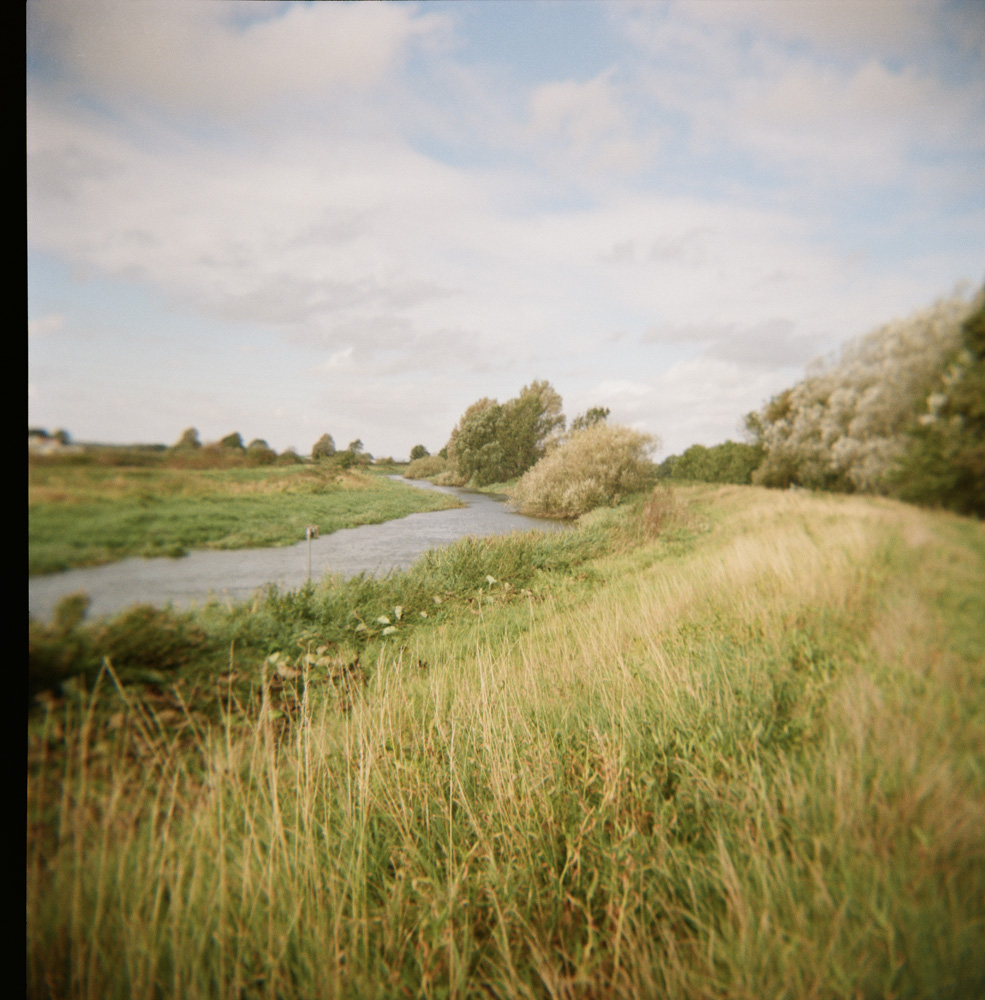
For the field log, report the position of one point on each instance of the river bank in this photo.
(86, 515)
(234, 575)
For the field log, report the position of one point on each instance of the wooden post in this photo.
(310, 532)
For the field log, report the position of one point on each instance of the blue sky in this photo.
(286, 219)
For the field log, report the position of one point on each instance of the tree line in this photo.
(900, 412)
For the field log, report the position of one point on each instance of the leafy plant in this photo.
(424, 468)
(324, 447)
(595, 467)
(150, 638)
(846, 425)
(944, 461)
(496, 442)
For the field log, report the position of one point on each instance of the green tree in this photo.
(592, 416)
(260, 453)
(845, 426)
(529, 425)
(324, 447)
(418, 451)
(729, 462)
(233, 440)
(495, 442)
(189, 439)
(944, 462)
(475, 448)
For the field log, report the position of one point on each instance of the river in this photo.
(237, 575)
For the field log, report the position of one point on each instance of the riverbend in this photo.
(237, 575)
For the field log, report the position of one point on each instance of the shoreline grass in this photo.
(731, 747)
(81, 515)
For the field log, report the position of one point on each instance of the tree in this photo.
(258, 452)
(944, 462)
(324, 447)
(846, 424)
(474, 432)
(729, 462)
(474, 447)
(355, 447)
(530, 424)
(233, 440)
(189, 439)
(418, 451)
(592, 416)
(495, 442)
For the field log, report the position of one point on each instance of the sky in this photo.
(287, 219)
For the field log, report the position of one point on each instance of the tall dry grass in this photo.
(752, 769)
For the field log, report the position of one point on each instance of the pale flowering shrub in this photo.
(845, 426)
(595, 467)
(426, 467)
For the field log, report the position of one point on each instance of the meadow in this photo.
(82, 514)
(719, 742)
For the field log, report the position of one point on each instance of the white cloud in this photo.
(860, 105)
(45, 325)
(193, 56)
(612, 388)
(586, 122)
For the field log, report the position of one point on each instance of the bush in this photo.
(596, 467)
(258, 452)
(424, 468)
(60, 650)
(150, 638)
(144, 638)
(729, 462)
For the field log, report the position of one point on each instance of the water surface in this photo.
(237, 575)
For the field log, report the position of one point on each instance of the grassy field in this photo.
(726, 743)
(84, 515)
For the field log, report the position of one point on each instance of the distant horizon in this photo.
(290, 219)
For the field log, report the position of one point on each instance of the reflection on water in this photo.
(238, 575)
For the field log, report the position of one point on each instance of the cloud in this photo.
(830, 96)
(340, 359)
(613, 388)
(773, 343)
(222, 58)
(586, 122)
(45, 325)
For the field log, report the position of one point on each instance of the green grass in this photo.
(84, 515)
(728, 744)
